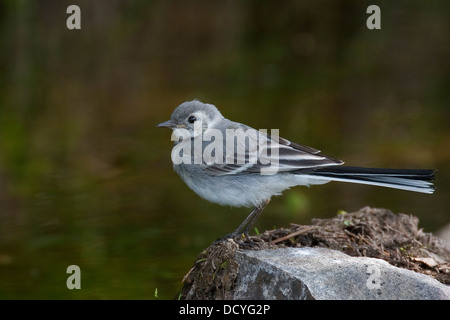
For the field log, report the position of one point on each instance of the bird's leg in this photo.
(249, 222)
(255, 217)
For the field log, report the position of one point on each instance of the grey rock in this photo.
(320, 273)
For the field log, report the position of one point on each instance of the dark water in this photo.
(86, 178)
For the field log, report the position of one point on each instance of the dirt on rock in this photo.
(368, 232)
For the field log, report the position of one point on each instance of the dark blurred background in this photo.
(87, 179)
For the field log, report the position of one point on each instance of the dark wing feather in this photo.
(270, 151)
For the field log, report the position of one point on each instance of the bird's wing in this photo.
(257, 151)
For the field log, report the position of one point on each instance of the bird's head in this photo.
(190, 114)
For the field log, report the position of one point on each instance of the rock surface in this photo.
(368, 254)
(320, 273)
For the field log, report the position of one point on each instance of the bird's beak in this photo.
(167, 124)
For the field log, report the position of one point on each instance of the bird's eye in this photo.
(192, 119)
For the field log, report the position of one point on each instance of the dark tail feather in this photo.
(406, 179)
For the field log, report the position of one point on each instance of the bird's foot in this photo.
(241, 238)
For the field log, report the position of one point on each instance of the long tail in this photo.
(405, 179)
